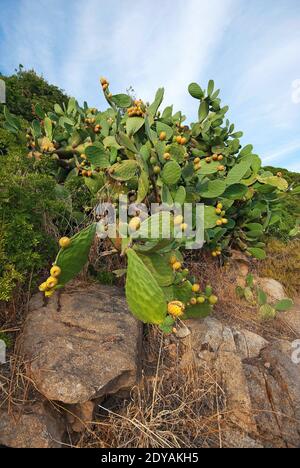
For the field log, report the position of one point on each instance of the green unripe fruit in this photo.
(208, 290)
(156, 170)
(201, 300)
(153, 160)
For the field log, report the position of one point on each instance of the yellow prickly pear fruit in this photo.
(178, 220)
(51, 282)
(219, 222)
(213, 300)
(177, 266)
(135, 224)
(193, 301)
(43, 287)
(49, 293)
(218, 211)
(197, 160)
(64, 242)
(167, 156)
(173, 259)
(196, 288)
(162, 136)
(224, 221)
(219, 206)
(214, 254)
(184, 227)
(55, 271)
(176, 308)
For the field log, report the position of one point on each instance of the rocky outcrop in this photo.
(82, 345)
(261, 383)
(37, 426)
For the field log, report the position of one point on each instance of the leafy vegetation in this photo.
(135, 150)
(256, 296)
(32, 210)
(289, 224)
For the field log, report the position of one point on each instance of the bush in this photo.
(290, 205)
(34, 213)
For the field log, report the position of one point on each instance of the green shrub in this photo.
(290, 205)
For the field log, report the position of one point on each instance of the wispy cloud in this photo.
(275, 156)
(296, 91)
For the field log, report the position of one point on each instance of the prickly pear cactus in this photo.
(150, 155)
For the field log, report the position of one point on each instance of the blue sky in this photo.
(250, 48)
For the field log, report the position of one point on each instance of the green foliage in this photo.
(25, 90)
(257, 297)
(290, 206)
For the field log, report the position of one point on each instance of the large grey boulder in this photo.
(82, 345)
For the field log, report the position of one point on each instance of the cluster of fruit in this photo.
(197, 164)
(47, 146)
(48, 287)
(84, 168)
(179, 222)
(104, 83)
(138, 110)
(217, 252)
(221, 213)
(181, 140)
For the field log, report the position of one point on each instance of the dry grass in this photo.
(230, 309)
(283, 264)
(173, 407)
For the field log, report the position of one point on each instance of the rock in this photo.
(292, 318)
(84, 344)
(272, 288)
(80, 416)
(34, 427)
(248, 344)
(260, 381)
(239, 263)
(275, 394)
